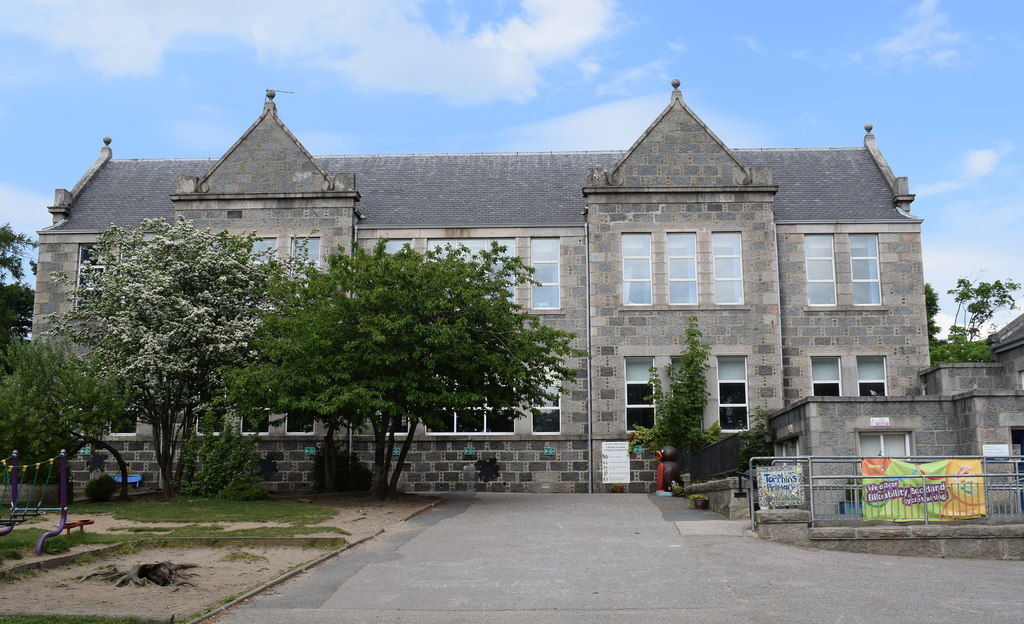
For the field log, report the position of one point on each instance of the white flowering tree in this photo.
(164, 308)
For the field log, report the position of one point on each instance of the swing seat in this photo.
(77, 524)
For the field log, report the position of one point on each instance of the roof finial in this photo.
(868, 128)
(677, 95)
(271, 94)
(107, 140)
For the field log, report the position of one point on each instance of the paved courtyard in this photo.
(540, 558)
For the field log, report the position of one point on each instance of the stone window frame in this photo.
(719, 260)
(690, 260)
(627, 281)
(810, 261)
(873, 280)
(837, 380)
(547, 262)
(639, 406)
(725, 409)
(868, 384)
(485, 427)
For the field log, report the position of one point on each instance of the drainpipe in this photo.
(590, 372)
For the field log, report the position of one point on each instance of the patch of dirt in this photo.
(221, 573)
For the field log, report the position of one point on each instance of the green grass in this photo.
(209, 510)
(298, 519)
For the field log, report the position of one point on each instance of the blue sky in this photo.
(940, 81)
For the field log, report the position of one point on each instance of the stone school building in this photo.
(802, 265)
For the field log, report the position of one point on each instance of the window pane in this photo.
(865, 269)
(818, 246)
(726, 244)
(871, 368)
(825, 389)
(638, 369)
(636, 244)
(545, 297)
(545, 249)
(636, 292)
(821, 293)
(547, 421)
(308, 248)
(872, 388)
(639, 394)
(643, 416)
(682, 268)
(682, 244)
(732, 417)
(732, 393)
(546, 273)
(395, 245)
(636, 268)
(682, 292)
(863, 245)
(894, 445)
(819, 270)
(498, 423)
(870, 445)
(825, 369)
(727, 267)
(866, 293)
(732, 368)
(729, 292)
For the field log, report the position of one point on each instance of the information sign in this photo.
(615, 462)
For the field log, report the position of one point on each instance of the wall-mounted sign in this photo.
(780, 486)
(469, 450)
(395, 452)
(85, 450)
(995, 450)
(880, 421)
(309, 450)
(548, 450)
(638, 449)
(615, 462)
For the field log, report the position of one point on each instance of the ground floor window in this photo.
(732, 392)
(548, 418)
(259, 426)
(296, 426)
(884, 444)
(475, 421)
(639, 402)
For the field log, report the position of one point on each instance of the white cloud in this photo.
(752, 44)
(925, 39)
(391, 46)
(25, 210)
(974, 165)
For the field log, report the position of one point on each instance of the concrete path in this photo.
(602, 558)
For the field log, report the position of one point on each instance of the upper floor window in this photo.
(727, 252)
(819, 260)
(545, 256)
(264, 248)
(682, 268)
(478, 420)
(85, 262)
(864, 268)
(639, 399)
(732, 392)
(825, 377)
(474, 245)
(394, 245)
(306, 248)
(871, 375)
(636, 269)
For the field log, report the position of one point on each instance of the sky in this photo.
(941, 82)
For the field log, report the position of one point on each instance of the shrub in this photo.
(351, 475)
(101, 488)
(243, 492)
(213, 463)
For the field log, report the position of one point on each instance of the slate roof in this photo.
(838, 184)
(1010, 336)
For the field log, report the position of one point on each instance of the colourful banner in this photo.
(901, 491)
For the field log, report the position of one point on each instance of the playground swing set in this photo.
(20, 505)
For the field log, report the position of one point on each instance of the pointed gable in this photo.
(678, 150)
(267, 159)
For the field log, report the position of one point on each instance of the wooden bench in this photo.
(78, 524)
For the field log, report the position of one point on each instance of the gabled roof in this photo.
(1010, 336)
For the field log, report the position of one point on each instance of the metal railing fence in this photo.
(836, 491)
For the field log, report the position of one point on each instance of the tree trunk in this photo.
(397, 471)
(330, 460)
(380, 476)
(122, 466)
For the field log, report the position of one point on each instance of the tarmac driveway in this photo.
(599, 558)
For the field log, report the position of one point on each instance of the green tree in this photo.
(16, 297)
(978, 302)
(679, 411)
(171, 307)
(49, 401)
(931, 304)
(392, 342)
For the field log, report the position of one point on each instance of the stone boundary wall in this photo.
(726, 497)
(962, 541)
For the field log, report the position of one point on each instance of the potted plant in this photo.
(677, 488)
(698, 501)
(618, 487)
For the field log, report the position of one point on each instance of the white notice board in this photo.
(615, 462)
